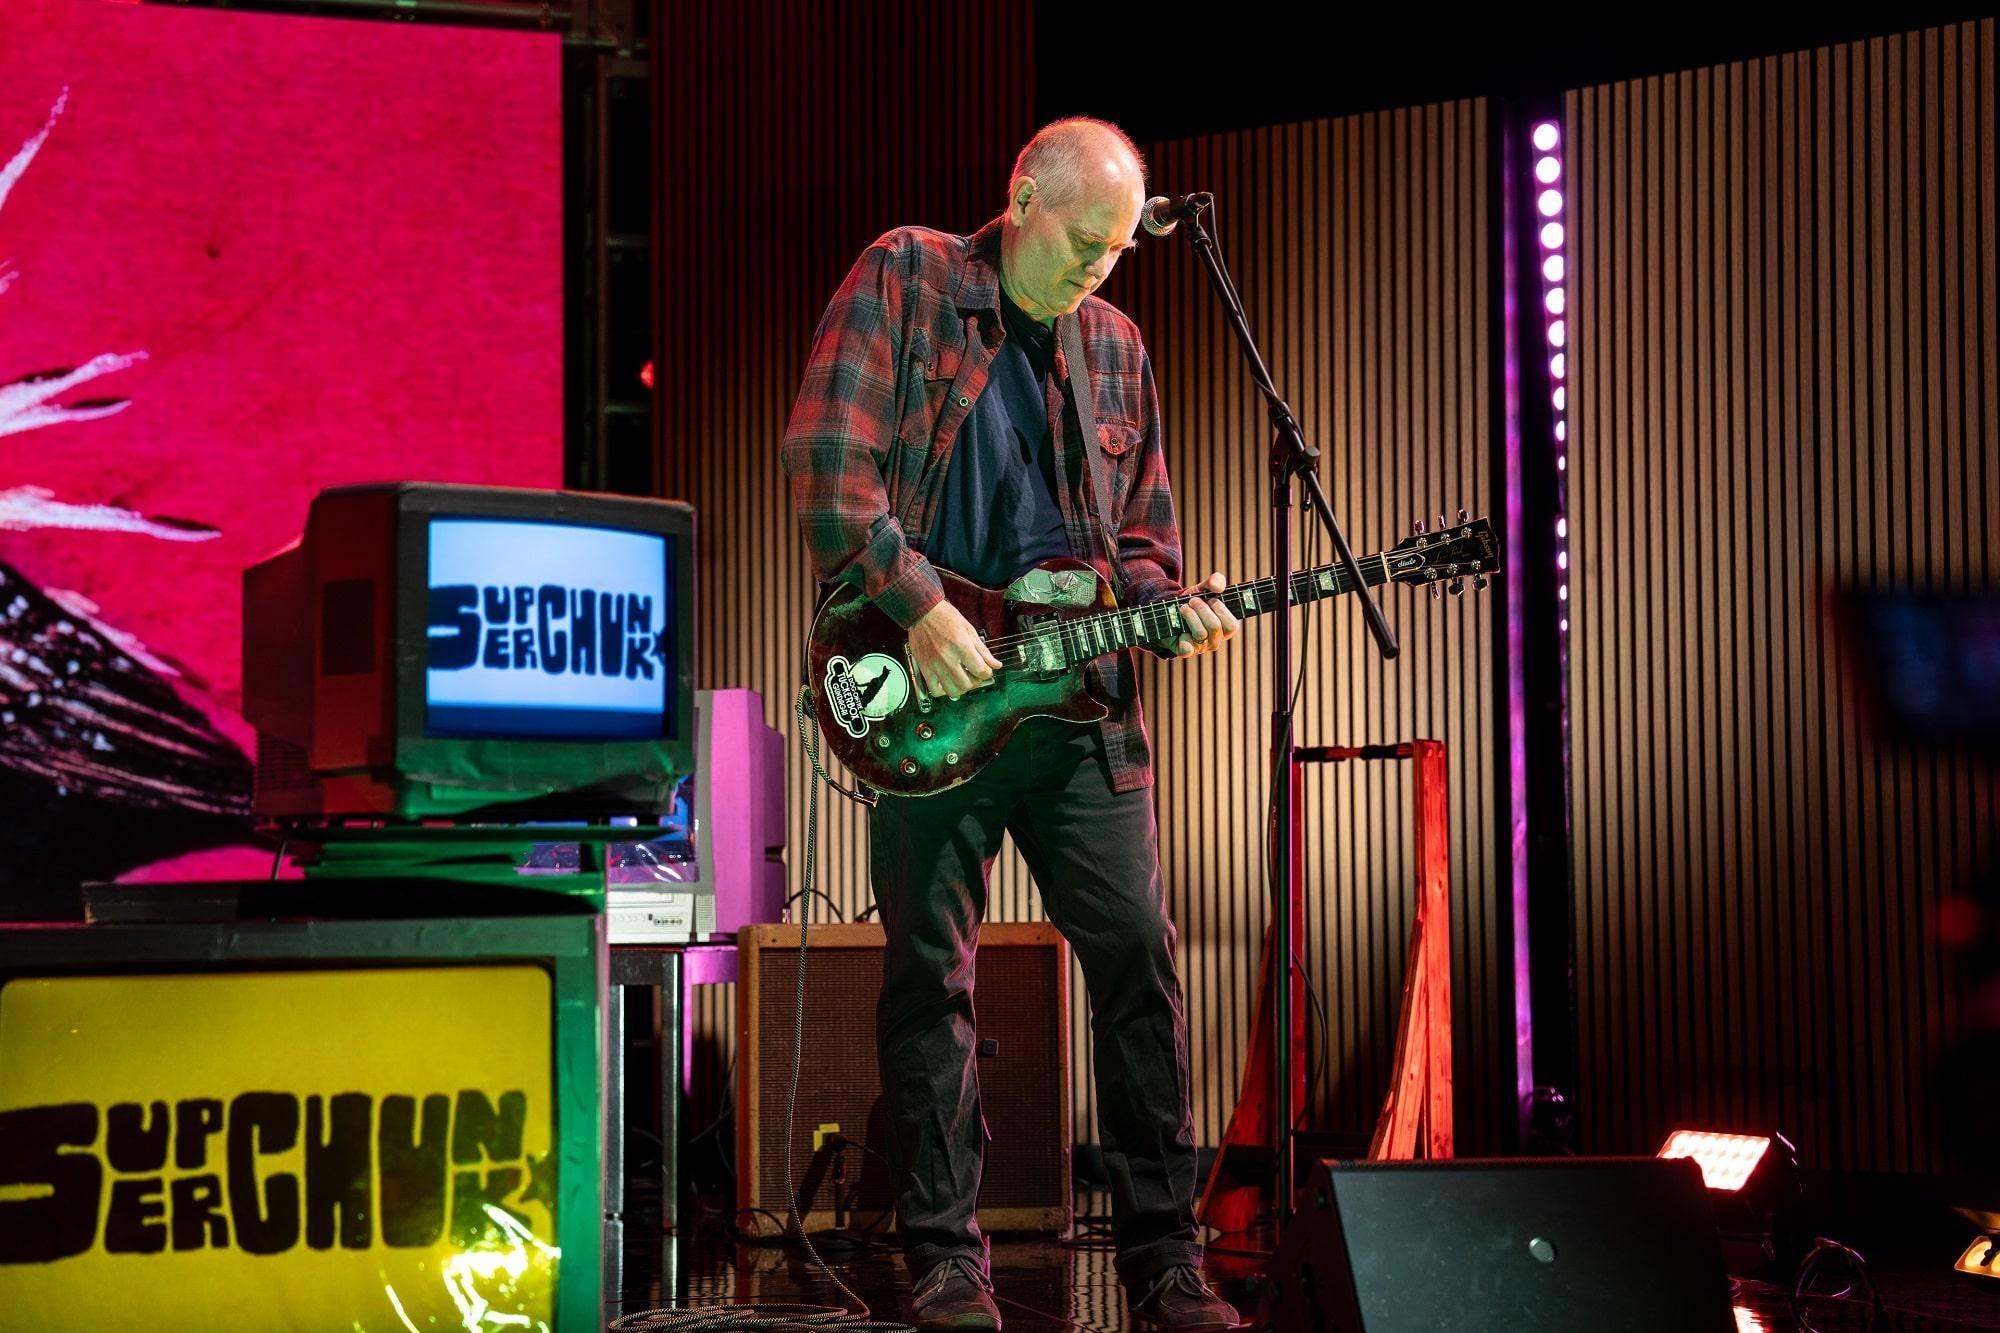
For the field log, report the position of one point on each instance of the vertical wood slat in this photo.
(788, 143)
(1359, 247)
(1784, 381)
(790, 137)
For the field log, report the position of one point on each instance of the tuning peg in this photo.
(1440, 522)
(1464, 517)
(1418, 527)
(1457, 587)
(1479, 582)
(1437, 593)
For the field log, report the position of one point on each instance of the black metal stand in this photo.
(1290, 457)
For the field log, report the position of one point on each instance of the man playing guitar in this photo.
(936, 428)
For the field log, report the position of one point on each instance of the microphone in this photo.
(1161, 214)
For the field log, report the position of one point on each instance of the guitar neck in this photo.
(1088, 637)
(1308, 585)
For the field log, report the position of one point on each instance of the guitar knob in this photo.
(1464, 517)
(1418, 527)
(1437, 593)
(925, 731)
(1478, 582)
(909, 767)
(1440, 522)
(1457, 587)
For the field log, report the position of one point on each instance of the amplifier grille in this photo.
(1022, 1018)
(282, 766)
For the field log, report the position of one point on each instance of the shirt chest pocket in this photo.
(1119, 438)
(930, 374)
(927, 374)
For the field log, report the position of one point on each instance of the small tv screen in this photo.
(548, 631)
(1929, 662)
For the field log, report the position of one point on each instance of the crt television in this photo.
(428, 651)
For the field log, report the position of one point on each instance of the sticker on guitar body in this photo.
(858, 693)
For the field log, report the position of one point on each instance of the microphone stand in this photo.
(1290, 457)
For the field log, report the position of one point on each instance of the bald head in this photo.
(1069, 159)
(1072, 208)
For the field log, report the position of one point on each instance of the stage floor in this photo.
(1046, 1285)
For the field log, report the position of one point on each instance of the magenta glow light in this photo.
(1532, 201)
(1548, 169)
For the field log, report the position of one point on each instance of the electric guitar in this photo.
(896, 737)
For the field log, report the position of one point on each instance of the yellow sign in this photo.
(351, 1150)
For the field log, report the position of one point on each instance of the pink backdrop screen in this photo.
(336, 244)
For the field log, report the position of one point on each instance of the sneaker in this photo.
(1179, 1299)
(955, 1294)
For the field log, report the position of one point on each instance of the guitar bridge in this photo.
(917, 691)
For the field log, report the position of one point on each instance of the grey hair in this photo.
(1055, 157)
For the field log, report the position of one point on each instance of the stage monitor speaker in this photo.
(1022, 1004)
(1513, 1245)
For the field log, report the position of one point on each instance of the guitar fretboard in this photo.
(1088, 637)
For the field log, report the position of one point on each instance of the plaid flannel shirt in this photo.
(900, 356)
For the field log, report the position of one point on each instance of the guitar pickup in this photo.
(1040, 654)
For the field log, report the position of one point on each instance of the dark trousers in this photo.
(1094, 854)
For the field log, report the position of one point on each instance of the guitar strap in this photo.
(1069, 328)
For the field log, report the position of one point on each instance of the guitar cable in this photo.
(809, 739)
(808, 718)
(857, 1317)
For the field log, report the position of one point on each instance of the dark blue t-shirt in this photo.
(997, 515)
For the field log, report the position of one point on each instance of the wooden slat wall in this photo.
(1359, 247)
(790, 136)
(1783, 362)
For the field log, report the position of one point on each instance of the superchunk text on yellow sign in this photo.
(338, 1149)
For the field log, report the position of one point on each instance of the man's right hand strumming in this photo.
(949, 656)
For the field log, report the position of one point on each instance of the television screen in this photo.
(423, 650)
(1930, 662)
(548, 630)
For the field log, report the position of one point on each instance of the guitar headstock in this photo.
(1446, 554)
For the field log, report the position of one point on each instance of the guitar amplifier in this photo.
(1023, 1016)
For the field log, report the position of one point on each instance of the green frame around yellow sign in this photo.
(563, 939)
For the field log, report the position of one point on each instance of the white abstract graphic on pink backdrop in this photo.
(243, 257)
